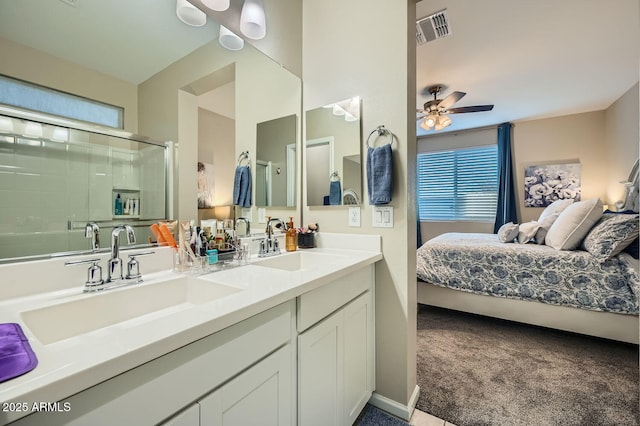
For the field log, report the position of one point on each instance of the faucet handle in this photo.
(133, 266)
(94, 273)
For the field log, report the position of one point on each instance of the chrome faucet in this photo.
(114, 270)
(270, 246)
(92, 232)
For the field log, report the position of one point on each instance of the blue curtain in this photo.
(506, 211)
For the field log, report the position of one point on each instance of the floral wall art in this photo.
(545, 184)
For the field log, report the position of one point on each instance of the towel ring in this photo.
(244, 155)
(381, 131)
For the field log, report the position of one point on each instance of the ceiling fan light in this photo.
(229, 40)
(442, 122)
(189, 14)
(253, 22)
(430, 121)
(217, 5)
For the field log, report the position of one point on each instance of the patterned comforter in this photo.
(479, 263)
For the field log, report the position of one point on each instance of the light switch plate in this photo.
(354, 216)
(262, 215)
(382, 217)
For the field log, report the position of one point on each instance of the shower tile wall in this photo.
(45, 184)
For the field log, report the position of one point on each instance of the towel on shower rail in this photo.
(16, 355)
(242, 186)
(380, 174)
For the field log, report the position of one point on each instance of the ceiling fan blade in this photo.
(476, 108)
(451, 99)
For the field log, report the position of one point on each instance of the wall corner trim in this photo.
(397, 409)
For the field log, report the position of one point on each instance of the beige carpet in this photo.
(474, 370)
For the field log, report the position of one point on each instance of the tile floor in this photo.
(420, 418)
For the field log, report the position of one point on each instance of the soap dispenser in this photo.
(291, 239)
(118, 206)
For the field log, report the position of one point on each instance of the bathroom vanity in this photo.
(283, 340)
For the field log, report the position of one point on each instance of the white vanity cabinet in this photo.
(221, 378)
(336, 350)
(262, 395)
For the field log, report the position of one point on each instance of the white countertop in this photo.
(71, 365)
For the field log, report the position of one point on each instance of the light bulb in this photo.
(229, 40)
(217, 5)
(189, 14)
(253, 22)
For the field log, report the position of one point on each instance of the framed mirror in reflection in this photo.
(333, 154)
(276, 162)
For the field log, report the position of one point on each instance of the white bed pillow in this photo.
(554, 208)
(527, 231)
(545, 225)
(508, 232)
(573, 224)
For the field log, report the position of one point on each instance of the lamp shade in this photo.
(217, 5)
(253, 22)
(189, 14)
(442, 122)
(229, 40)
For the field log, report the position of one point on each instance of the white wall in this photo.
(367, 48)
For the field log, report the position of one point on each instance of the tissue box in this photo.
(305, 240)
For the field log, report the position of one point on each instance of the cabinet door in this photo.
(262, 395)
(189, 417)
(359, 352)
(320, 366)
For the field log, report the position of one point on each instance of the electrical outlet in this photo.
(262, 215)
(354, 216)
(383, 217)
(247, 213)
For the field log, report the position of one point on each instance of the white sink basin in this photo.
(53, 323)
(298, 261)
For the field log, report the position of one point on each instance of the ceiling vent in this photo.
(432, 27)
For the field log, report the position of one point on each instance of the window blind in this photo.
(460, 184)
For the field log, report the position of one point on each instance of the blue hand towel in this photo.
(380, 174)
(242, 186)
(335, 193)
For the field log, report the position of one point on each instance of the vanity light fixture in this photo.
(217, 5)
(189, 14)
(229, 40)
(253, 22)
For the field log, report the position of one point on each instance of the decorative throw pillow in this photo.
(508, 232)
(554, 208)
(573, 224)
(611, 235)
(526, 231)
(544, 227)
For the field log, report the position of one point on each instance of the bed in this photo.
(570, 289)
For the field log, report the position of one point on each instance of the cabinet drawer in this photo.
(318, 303)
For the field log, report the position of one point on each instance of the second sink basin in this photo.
(298, 261)
(57, 322)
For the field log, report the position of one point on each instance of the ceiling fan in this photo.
(434, 114)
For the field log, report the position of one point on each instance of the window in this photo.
(43, 99)
(460, 184)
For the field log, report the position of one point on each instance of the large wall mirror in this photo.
(276, 162)
(206, 99)
(333, 155)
